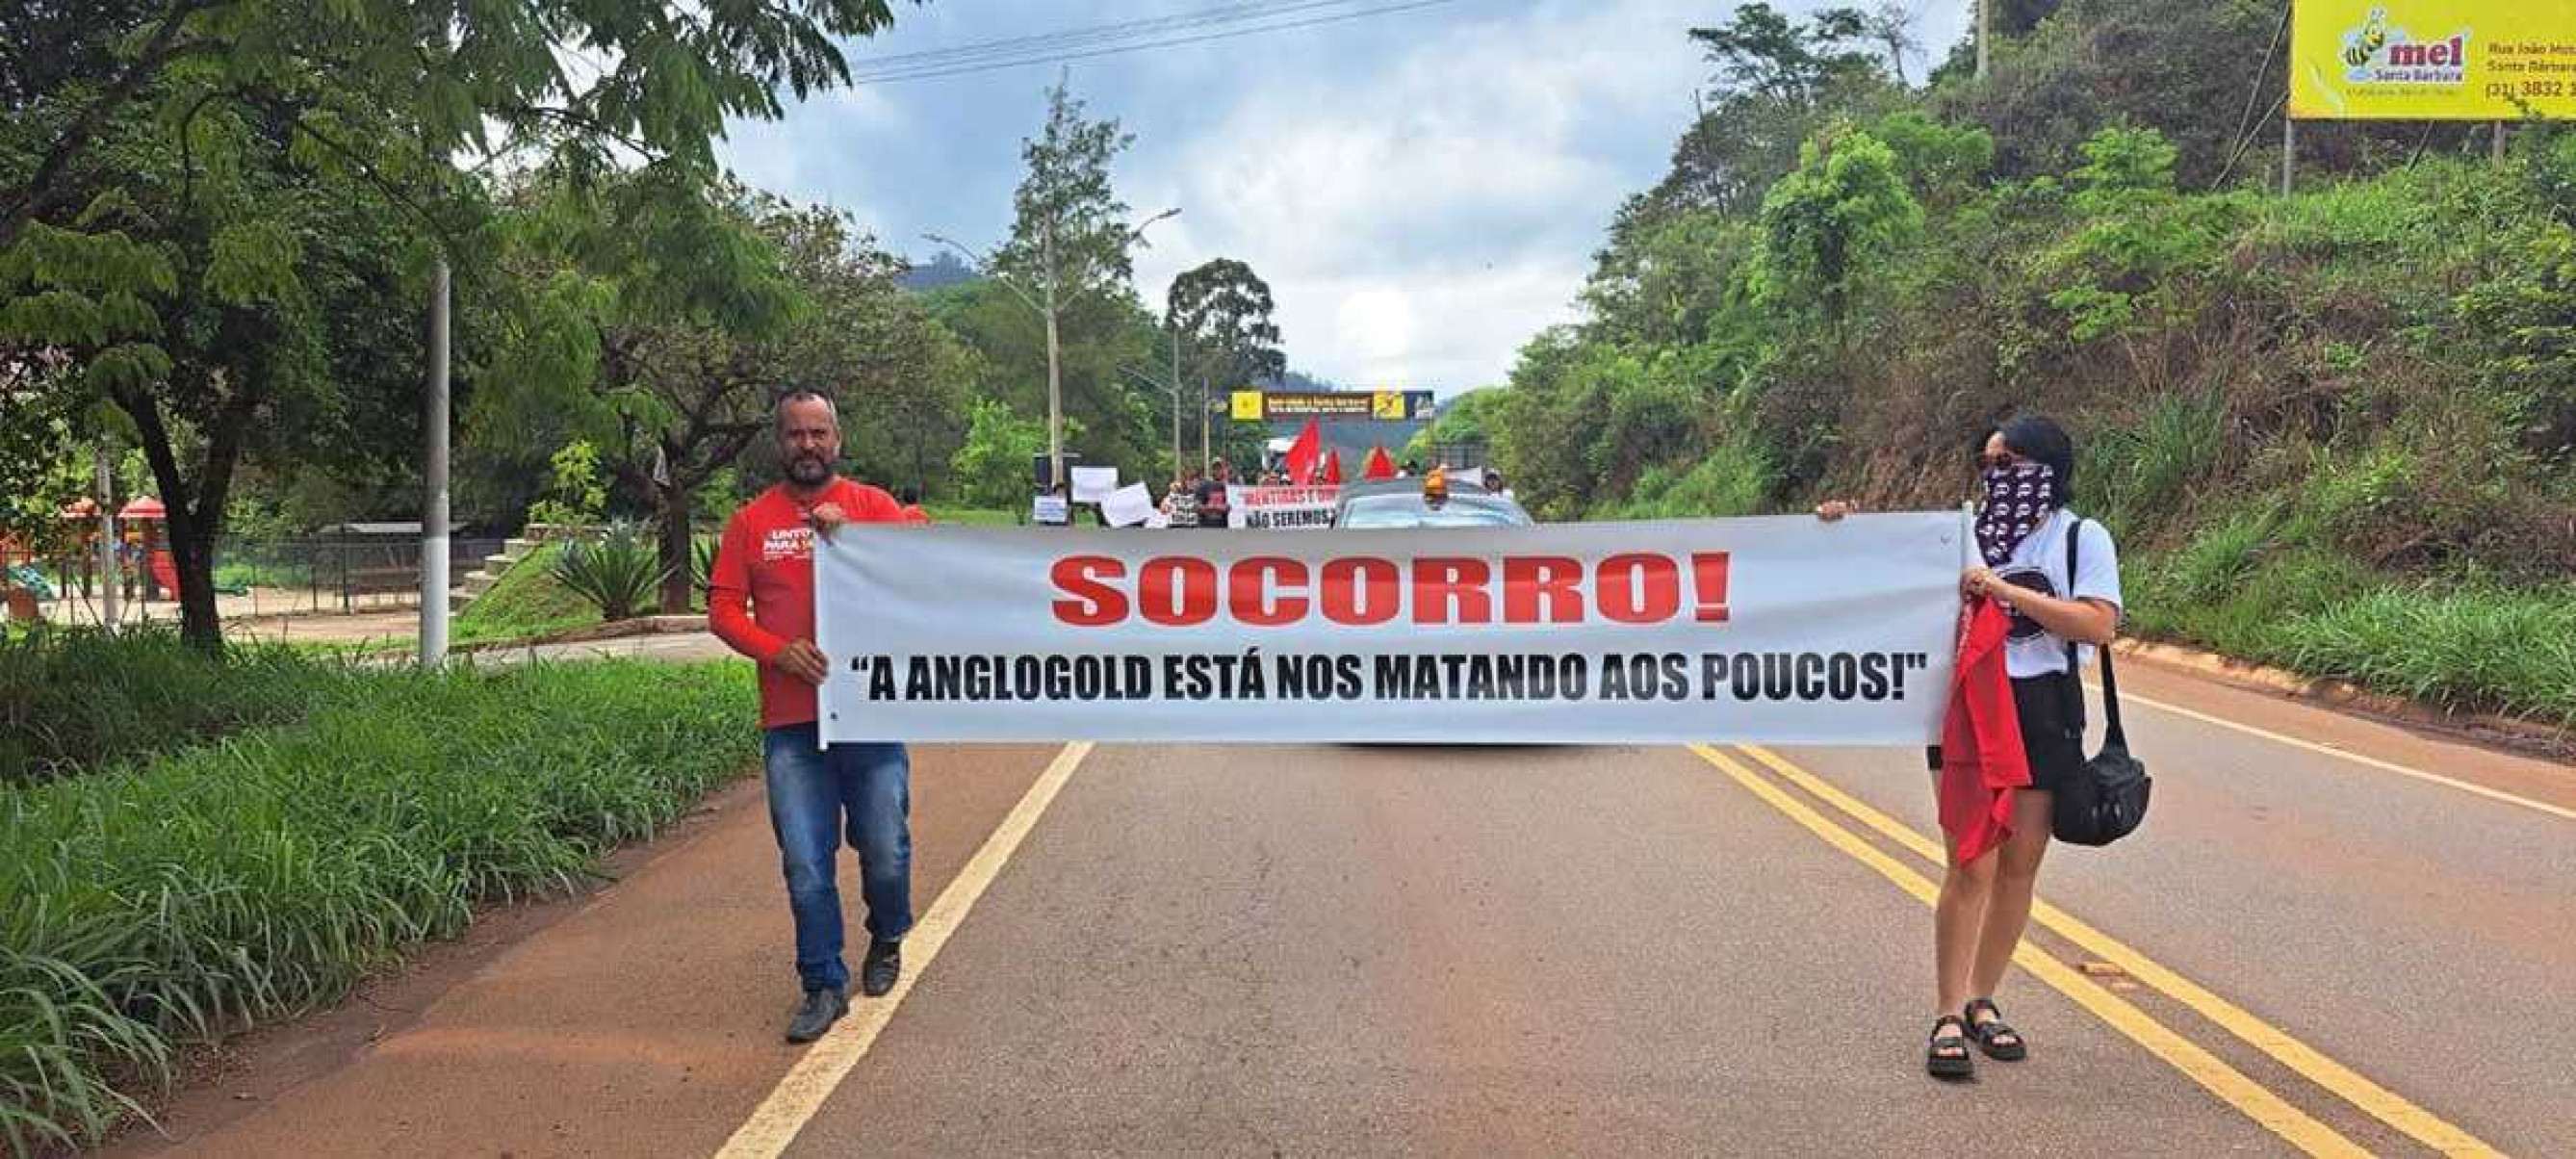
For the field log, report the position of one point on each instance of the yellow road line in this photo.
(814, 1077)
(2377, 1101)
(2257, 1102)
(2356, 758)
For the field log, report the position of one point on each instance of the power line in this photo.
(1080, 48)
(1053, 55)
(1084, 35)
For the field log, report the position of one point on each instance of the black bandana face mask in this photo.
(2019, 497)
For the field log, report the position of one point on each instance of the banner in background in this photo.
(1282, 508)
(1779, 630)
(2433, 60)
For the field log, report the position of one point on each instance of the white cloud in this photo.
(1423, 191)
(1419, 223)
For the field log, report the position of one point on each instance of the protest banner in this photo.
(1782, 630)
(1283, 508)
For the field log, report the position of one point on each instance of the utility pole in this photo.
(1175, 381)
(109, 598)
(1055, 369)
(1985, 35)
(1204, 459)
(2289, 150)
(433, 520)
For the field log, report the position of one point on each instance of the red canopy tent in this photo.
(144, 507)
(81, 508)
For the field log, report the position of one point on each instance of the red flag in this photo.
(1379, 465)
(1303, 453)
(1332, 468)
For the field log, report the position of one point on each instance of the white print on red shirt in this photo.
(787, 543)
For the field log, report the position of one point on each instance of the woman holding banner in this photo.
(2026, 476)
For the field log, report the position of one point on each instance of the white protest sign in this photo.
(1782, 630)
(1050, 511)
(1129, 505)
(1093, 484)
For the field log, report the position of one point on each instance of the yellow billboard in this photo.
(2433, 60)
(1247, 406)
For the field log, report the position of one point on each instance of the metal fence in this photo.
(266, 577)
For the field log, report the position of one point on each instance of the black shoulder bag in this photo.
(2108, 800)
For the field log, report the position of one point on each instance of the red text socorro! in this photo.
(1179, 591)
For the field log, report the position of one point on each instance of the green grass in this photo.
(527, 601)
(149, 906)
(285, 574)
(974, 517)
(72, 699)
(2465, 646)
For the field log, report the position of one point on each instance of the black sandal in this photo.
(1949, 1066)
(1986, 1033)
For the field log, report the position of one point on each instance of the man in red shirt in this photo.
(815, 794)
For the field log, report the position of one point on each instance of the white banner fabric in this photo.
(1781, 630)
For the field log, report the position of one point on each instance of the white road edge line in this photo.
(2349, 755)
(812, 1080)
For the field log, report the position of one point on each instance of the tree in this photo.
(443, 74)
(1762, 52)
(656, 324)
(223, 297)
(1117, 419)
(1069, 234)
(1846, 203)
(1891, 24)
(1221, 313)
(164, 166)
(999, 446)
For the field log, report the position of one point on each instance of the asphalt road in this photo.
(1646, 950)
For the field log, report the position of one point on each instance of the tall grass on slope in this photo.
(2460, 647)
(147, 906)
(72, 698)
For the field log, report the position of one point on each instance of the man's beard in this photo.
(809, 470)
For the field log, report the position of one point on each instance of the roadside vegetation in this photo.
(72, 699)
(151, 903)
(2331, 431)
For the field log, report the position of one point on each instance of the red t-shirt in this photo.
(767, 559)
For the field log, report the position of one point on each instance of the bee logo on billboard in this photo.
(2376, 52)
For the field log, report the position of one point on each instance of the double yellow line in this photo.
(2231, 1085)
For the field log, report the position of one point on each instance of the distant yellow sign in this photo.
(2433, 60)
(1389, 405)
(1247, 406)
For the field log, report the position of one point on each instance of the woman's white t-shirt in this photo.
(2039, 562)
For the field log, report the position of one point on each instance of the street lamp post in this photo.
(1053, 294)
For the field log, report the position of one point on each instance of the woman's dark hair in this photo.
(2040, 439)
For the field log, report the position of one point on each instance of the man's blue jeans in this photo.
(817, 794)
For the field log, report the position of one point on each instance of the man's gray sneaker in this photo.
(822, 1008)
(882, 966)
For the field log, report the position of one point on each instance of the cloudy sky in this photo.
(1422, 186)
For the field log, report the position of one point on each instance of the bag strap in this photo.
(2113, 735)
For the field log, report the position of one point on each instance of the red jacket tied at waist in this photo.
(1982, 758)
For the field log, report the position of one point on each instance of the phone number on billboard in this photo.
(2531, 90)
